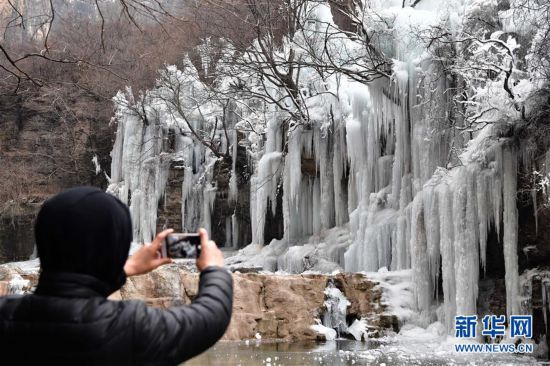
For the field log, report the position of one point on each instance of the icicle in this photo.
(510, 227)
(398, 168)
(294, 160)
(235, 231)
(384, 170)
(326, 183)
(472, 233)
(186, 192)
(484, 218)
(139, 167)
(404, 224)
(526, 291)
(431, 218)
(289, 222)
(447, 253)
(496, 188)
(228, 234)
(352, 193)
(371, 249)
(356, 148)
(535, 209)
(419, 257)
(546, 176)
(117, 156)
(263, 188)
(465, 252)
(233, 189)
(209, 193)
(256, 222)
(316, 206)
(338, 166)
(371, 180)
(399, 255)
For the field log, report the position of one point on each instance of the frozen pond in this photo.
(340, 353)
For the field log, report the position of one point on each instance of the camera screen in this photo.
(183, 246)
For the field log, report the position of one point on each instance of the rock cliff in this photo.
(47, 143)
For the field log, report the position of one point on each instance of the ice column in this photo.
(445, 204)
(419, 256)
(139, 169)
(466, 253)
(510, 227)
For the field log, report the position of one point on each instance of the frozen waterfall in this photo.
(389, 161)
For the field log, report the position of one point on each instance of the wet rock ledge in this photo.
(272, 306)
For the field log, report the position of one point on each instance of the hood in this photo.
(84, 231)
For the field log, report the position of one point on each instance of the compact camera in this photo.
(181, 246)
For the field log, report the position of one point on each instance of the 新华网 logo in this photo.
(493, 326)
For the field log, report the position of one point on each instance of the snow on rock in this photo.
(328, 333)
(18, 278)
(397, 293)
(17, 285)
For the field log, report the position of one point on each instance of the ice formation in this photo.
(329, 333)
(334, 323)
(525, 295)
(336, 306)
(421, 189)
(139, 170)
(358, 329)
(17, 284)
(97, 166)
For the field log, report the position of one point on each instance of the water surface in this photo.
(345, 352)
(252, 353)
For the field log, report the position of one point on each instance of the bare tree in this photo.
(52, 31)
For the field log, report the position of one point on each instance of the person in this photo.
(83, 236)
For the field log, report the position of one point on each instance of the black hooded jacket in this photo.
(83, 236)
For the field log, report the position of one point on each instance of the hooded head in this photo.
(84, 231)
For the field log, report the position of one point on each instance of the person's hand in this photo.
(147, 258)
(211, 255)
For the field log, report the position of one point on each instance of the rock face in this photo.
(273, 306)
(44, 149)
